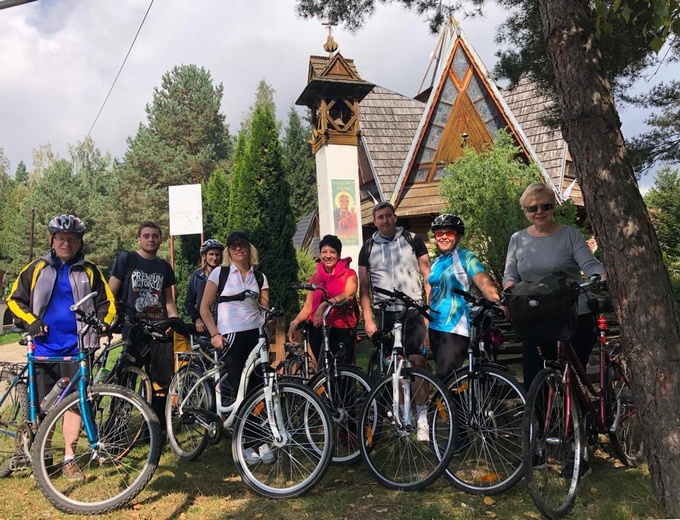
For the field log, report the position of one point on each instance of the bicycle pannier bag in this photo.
(544, 310)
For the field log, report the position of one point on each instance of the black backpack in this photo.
(224, 274)
(410, 238)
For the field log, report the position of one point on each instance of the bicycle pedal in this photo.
(19, 463)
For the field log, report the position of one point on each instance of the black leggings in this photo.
(343, 343)
(241, 346)
(449, 351)
(583, 342)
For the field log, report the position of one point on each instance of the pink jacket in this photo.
(344, 317)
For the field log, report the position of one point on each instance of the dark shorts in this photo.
(449, 351)
(414, 330)
(342, 342)
(47, 375)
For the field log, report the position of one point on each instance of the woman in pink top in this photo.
(340, 282)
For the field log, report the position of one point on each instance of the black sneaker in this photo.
(583, 469)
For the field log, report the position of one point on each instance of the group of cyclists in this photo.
(391, 258)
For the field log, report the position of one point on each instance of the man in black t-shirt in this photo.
(146, 282)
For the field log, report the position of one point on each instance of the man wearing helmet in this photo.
(211, 256)
(449, 331)
(41, 298)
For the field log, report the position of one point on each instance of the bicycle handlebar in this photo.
(407, 300)
(76, 306)
(471, 298)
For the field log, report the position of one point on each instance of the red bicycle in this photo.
(565, 409)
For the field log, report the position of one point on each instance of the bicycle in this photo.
(408, 423)
(115, 465)
(299, 363)
(127, 370)
(286, 417)
(554, 428)
(490, 407)
(342, 387)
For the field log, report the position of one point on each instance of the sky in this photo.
(59, 58)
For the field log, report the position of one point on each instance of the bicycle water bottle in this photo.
(51, 397)
(102, 376)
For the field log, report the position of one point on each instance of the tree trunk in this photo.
(638, 280)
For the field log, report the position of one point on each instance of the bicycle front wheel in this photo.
(489, 407)
(186, 436)
(408, 447)
(14, 413)
(295, 463)
(349, 391)
(625, 431)
(108, 474)
(553, 444)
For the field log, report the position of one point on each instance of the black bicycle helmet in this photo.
(66, 224)
(211, 243)
(449, 221)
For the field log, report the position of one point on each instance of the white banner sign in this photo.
(186, 209)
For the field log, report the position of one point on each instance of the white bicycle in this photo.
(285, 421)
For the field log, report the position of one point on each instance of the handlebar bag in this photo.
(544, 310)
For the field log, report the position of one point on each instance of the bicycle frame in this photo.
(259, 356)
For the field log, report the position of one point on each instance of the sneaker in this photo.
(266, 455)
(71, 471)
(423, 429)
(251, 457)
(583, 469)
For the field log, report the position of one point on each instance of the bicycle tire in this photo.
(135, 379)
(114, 472)
(351, 390)
(301, 458)
(625, 431)
(548, 451)
(186, 437)
(14, 413)
(490, 410)
(392, 454)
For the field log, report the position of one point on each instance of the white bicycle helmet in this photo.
(211, 243)
(66, 224)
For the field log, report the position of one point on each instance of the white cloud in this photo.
(59, 59)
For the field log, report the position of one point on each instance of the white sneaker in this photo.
(266, 455)
(423, 428)
(251, 457)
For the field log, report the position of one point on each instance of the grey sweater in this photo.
(531, 258)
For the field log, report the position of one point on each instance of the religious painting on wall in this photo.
(345, 217)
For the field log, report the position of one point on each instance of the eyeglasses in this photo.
(241, 246)
(70, 240)
(534, 209)
(448, 233)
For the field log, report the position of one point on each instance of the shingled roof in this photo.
(529, 105)
(388, 122)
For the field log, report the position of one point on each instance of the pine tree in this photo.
(260, 205)
(21, 174)
(300, 166)
(216, 206)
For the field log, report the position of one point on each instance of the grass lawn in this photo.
(210, 488)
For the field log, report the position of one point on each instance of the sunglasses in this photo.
(441, 233)
(242, 246)
(534, 209)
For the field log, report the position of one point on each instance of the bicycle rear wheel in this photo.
(398, 453)
(299, 460)
(186, 437)
(490, 408)
(625, 431)
(110, 474)
(14, 413)
(553, 444)
(349, 392)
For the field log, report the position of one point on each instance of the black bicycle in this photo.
(490, 407)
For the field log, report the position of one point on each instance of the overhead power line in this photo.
(119, 70)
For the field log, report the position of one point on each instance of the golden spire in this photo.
(330, 46)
